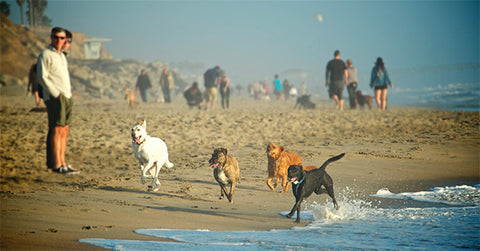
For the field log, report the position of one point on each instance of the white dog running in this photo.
(151, 153)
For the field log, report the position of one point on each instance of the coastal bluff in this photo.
(99, 78)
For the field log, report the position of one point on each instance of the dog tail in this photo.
(332, 159)
(169, 164)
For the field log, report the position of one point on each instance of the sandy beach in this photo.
(402, 149)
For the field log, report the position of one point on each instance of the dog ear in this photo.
(144, 124)
(282, 149)
(224, 150)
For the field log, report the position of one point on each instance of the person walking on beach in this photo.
(53, 76)
(336, 79)
(303, 88)
(142, 86)
(211, 81)
(380, 80)
(225, 90)
(286, 88)
(167, 83)
(277, 88)
(352, 84)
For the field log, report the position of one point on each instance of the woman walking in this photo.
(380, 81)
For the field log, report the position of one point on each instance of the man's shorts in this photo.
(336, 88)
(59, 111)
(211, 94)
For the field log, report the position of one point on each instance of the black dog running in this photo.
(304, 183)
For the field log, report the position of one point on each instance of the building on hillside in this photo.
(93, 46)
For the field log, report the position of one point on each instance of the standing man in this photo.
(211, 81)
(336, 79)
(52, 70)
(143, 84)
(166, 82)
(352, 84)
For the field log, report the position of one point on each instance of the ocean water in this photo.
(448, 219)
(456, 97)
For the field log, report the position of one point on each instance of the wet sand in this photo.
(403, 149)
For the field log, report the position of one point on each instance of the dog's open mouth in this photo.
(214, 165)
(293, 179)
(136, 140)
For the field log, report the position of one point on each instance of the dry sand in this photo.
(403, 149)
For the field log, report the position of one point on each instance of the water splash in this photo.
(455, 195)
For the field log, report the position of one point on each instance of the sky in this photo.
(254, 40)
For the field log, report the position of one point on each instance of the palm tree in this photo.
(36, 8)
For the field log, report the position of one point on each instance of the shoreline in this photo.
(403, 149)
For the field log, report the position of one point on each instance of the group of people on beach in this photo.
(167, 83)
(215, 80)
(338, 75)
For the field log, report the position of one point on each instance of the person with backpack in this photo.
(379, 81)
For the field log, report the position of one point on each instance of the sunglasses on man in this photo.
(58, 38)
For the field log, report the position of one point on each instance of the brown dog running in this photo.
(130, 97)
(225, 171)
(363, 100)
(278, 162)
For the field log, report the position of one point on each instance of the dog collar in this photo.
(300, 182)
(297, 185)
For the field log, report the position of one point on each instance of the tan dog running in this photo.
(225, 171)
(130, 97)
(278, 162)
